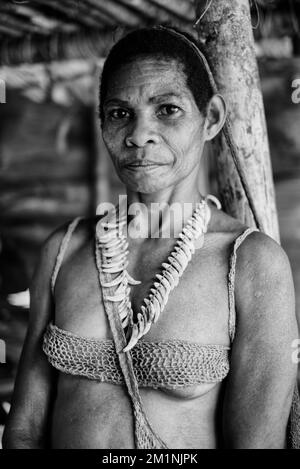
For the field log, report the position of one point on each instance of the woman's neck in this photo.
(161, 214)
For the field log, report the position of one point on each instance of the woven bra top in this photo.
(171, 363)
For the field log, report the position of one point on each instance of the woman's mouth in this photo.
(142, 164)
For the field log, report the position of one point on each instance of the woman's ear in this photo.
(215, 116)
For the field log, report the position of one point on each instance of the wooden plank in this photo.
(118, 12)
(20, 204)
(89, 11)
(28, 234)
(146, 10)
(44, 170)
(180, 8)
(86, 45)
(73, 11)
(13, 22)
(10, 31)
(50, 14)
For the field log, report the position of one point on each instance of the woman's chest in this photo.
(196, 308)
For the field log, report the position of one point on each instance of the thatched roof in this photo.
(45, 30)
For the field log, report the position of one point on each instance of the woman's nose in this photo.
(141, 134)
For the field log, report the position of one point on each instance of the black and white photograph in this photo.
(149, 227)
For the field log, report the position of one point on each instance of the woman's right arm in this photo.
(28, 421)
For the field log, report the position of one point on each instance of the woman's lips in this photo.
(143, 164)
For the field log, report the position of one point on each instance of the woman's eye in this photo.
(117, 114)
(169, 110)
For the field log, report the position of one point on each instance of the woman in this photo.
(172, 370)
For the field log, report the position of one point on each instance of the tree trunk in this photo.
(226, 31)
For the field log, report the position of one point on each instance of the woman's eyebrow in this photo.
(153, 99)
(161, 97)
(115, 101)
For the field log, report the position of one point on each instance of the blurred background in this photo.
(53, 164)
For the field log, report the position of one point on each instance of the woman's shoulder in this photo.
(264, 281)
(62, 245)
(257, 256)
(74, 233)
(252, 243)
(261, 251)
(263, 285)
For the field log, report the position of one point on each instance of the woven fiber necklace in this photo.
(114, 248)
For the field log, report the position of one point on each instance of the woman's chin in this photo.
(145, 185)
(144, 188)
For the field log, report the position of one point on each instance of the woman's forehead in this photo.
(148, 77)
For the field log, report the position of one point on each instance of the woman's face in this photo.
(152, 126)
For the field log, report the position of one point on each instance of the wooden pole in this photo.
(225, 29)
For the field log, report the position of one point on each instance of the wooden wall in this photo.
(47, 177)
(283, 121)
(283, 116)
(46, 171)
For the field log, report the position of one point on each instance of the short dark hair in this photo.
(159, 42)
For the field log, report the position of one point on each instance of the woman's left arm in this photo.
(262, 376)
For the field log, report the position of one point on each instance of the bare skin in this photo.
(250, 408)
